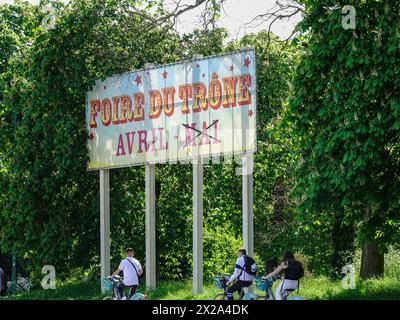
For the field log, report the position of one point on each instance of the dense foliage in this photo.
(345, 110)
(324, 157)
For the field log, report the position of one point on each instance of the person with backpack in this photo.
(293, 270)
(132, 270)
(245, 269)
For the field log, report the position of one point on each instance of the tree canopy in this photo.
(326, 170)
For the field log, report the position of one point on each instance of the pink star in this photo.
(250, 113)
(165, 74)
(247, 62)
(91, 136)
(138, 80)
(231, 67)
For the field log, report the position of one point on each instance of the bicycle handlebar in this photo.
(273, 279)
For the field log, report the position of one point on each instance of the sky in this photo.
(235, 17)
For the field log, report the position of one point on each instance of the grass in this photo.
(64, 291)
(320, 288)
(311, 288)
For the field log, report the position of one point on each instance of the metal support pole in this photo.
(247, 205)
(197, 220)
(150, 227)
(104, 224)
(197, 227)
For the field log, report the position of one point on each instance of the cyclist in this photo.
(132, 270)
(293, 272)
(244, 279)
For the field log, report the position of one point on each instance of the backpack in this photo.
(250, 265)
(294, 271)
(134, 268)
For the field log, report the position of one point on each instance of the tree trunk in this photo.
(278, 193)
(372, 261)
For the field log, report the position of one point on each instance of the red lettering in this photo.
(229, 92)
(105, 111)
(244, 93)
(94, 107)
(204, 138)
(120, 148)
(185, 92)
(155, 104)
(162, 145)
(130, 141)
(143, 141)
(190, 135)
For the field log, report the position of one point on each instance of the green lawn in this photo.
(311, 289)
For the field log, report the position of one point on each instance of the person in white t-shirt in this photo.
(132, 270)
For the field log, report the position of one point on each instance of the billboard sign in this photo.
(197, 108)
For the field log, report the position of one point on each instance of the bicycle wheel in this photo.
(221, 296)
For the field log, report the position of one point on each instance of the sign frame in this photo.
(188, 159)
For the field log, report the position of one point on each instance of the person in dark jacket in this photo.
(293, 271)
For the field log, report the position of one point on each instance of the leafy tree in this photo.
(51, 209)
(345, 108)
(276, 156)
(50, 202)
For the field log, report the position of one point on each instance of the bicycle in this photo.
(266, 286)
(220, 282)
(111, 284)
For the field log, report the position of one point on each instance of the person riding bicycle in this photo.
(293, 272)
(132, 270)
(243, 278)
